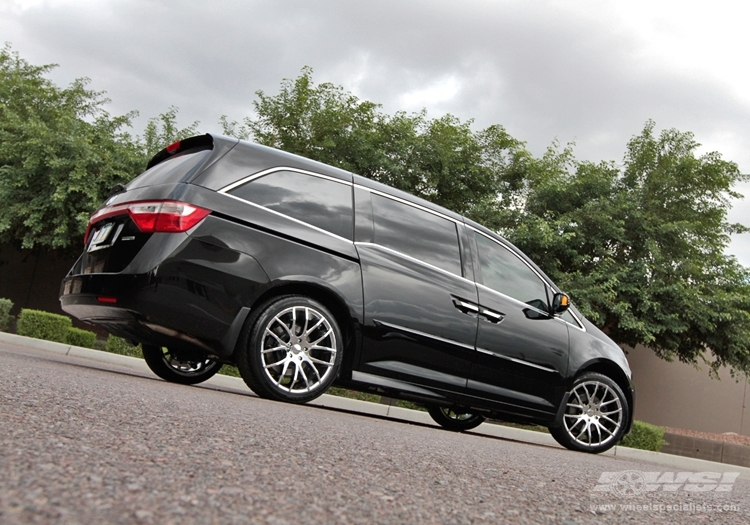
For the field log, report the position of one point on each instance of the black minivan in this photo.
(304, 275)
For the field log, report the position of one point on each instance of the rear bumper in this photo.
(194, 298)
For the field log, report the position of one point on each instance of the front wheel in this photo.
(174, 368)
(292, 351)
(454, 419)
(595, 417)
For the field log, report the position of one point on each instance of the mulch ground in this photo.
(728, 437)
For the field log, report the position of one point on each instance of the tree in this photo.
(162, 131)
(442, 160)
(641, 248)
(60, 154)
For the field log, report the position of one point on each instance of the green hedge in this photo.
(5, 306)
(78, 337)
(644, 436)
(118, 345)
(43, 325)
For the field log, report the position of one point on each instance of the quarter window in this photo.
(320, 202)
(504, 272)
(416, 233)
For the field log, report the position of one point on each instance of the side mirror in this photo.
(560, 303)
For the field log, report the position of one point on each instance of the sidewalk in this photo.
(237, 385)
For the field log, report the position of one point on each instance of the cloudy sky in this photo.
(588, 71)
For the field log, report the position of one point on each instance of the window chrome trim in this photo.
(414, 259)
(515, 360)
(412, 204)
(579, 324)
(263, 173)
(519, 302)
(321, 230)
(422, 334)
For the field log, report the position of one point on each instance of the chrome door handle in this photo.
(465, 306)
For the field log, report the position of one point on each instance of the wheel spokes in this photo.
(311, 347)
(585, 421)
(187, 367)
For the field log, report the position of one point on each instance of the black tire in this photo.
(596, 416)
(291, 351)
(172, 368)
(454, 419)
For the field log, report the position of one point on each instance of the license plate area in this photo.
(104, 236)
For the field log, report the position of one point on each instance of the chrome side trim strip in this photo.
(321, 230)
(418, 261)
(423, 334)
(512, 394)
(400, 367)
(515, 360)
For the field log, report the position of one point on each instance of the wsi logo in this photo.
(635, 482)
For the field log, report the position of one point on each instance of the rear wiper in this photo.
(117, 188)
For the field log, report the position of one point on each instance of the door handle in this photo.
(465, 306)
(491, 316)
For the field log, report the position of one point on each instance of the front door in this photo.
(522, 350)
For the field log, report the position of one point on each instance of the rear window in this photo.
(180, 168)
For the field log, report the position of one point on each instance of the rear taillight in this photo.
(167, 216)
(154, 216)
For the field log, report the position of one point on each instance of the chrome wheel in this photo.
(291, 349)
(594, 415)
(188, 368)
(452, 418)
(298, 349)
(456, 416)
(175, 368)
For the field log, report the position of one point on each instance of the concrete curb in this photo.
(237, 385)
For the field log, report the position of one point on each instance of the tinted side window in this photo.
(416, 233)
(320, 202)
(504, 272)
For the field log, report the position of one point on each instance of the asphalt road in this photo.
(83, 442)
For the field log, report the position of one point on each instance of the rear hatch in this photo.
(121, 228)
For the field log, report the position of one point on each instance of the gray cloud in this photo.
(541, 69)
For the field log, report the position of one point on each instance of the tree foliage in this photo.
(163, 130)
(60, 153)
(442, 160)
(641, 247)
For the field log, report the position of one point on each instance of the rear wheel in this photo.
(454, 419)
(174, 368)
(293, 350)
(595, 417)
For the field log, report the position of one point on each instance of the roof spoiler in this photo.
(191, 145)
